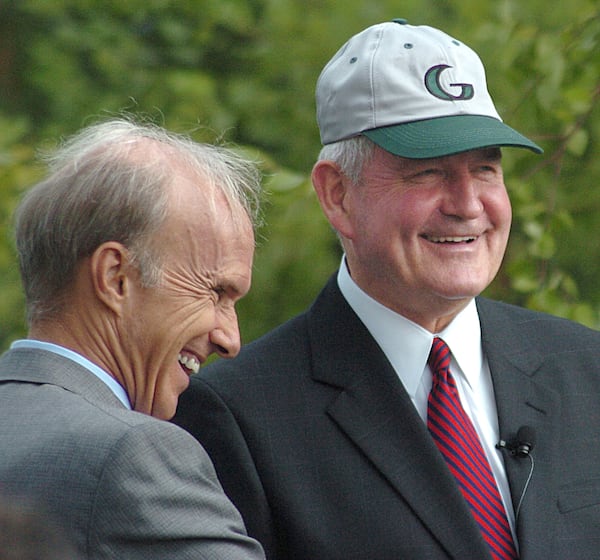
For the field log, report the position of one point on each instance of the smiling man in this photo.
(366, 428)
(133, 253)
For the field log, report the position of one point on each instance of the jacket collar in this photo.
(32, 365)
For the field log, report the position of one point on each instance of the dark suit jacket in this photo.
(316, 441)
(124, 485)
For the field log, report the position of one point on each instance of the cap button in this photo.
(401, 21)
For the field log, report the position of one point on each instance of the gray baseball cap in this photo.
(414, 90)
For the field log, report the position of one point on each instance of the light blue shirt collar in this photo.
(110, 381)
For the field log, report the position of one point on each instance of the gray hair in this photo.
(102, 186)
(351, 155)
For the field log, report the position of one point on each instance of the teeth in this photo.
(189, 362)
(465, 239)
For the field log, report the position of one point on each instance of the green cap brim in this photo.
(444, 136)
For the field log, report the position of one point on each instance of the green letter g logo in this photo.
(433, 85)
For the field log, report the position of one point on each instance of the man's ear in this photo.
(332, 188)
(110, 267)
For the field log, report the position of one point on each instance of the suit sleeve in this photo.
(205, 415)
(159, 497)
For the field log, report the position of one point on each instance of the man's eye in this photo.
(220, 292)
(428, 172)
(488, 169)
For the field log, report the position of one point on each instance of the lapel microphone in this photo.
(521, 447)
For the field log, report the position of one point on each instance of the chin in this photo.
(164, 413)
(166, 408)
(458, 297)
(469, 287)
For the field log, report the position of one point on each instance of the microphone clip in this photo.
(521, 445)
(515, 448)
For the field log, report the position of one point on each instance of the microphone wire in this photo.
(525, 488)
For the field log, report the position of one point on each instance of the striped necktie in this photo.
(458, 442)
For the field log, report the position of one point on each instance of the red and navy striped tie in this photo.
(458, 442)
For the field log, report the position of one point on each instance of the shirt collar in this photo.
(463, 336)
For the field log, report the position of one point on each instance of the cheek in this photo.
(498, 206)
(203, 317)
(501, 216)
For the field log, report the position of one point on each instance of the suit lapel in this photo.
(523, 400)
(374, 410)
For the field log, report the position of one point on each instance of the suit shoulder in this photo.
(519, 321)
(96, 425)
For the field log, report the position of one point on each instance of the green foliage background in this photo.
(244, 71)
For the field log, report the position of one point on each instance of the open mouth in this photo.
(449, 239)
(189, 362)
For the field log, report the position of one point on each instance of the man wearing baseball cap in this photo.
(403, 416)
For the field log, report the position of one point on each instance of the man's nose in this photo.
(462, 197)
(225, 337)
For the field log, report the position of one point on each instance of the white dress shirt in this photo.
(110, 381)
(407, 345)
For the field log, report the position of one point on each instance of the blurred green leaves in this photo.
(244, 71)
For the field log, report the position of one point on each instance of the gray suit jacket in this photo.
(124, 485)
(318, 444)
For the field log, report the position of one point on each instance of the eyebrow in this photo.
(492, 152)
